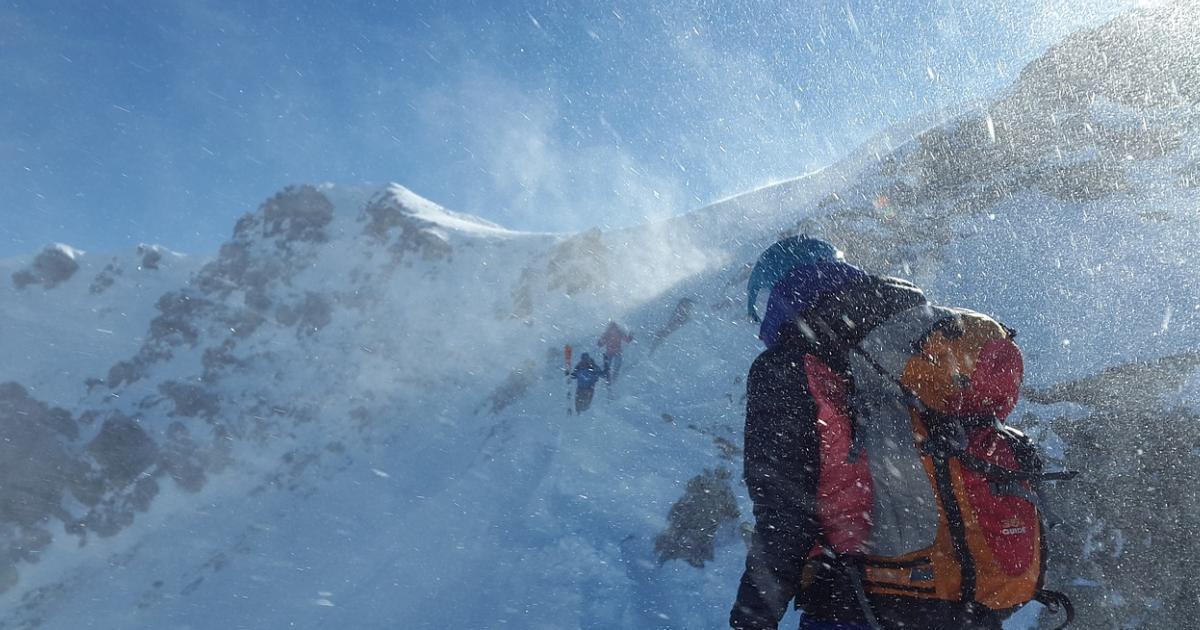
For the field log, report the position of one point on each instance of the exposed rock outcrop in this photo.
(681, 316)
(515, 386)
(387, 220)
(695, 519)
(38, 471)
(52, 267)
(1128, 388)
(579, 264)
(1123, 550)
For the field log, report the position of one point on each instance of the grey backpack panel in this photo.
(905, 511)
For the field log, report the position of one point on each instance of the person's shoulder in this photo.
(760, 362)
(782, 356)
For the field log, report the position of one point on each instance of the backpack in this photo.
(923, 491)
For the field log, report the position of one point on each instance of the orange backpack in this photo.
(923, 491)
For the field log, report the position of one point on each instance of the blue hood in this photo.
(782, 257)
(800, 290)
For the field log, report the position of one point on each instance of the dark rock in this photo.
(1127, 521)
(179, 315)
(297, 213)
(123, 450)
(694, 520)
(513, 388)
(681, 316)
(151, 257)
(579, 264)
(315, 313)
(388, 221)
(105, 279)
(219, 360)
(36, 466)
(50, 268)
(1123, 388)
(1129, 518)
(727, 449)
(191, 400)
(124, 372)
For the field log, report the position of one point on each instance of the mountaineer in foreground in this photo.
(887, 491)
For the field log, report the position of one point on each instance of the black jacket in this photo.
(782, 464)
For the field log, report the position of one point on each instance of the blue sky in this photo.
(163, 121)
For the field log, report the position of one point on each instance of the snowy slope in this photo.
(69, 315)
(355, 414)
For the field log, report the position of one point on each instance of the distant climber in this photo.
(612, 340)
(586, 375)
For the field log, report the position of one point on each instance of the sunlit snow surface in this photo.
(389, 469)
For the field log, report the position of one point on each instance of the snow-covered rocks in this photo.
(54, 266)
(401, 230)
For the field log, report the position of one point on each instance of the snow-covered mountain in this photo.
(69, 315)
(355, 413)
